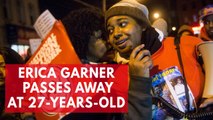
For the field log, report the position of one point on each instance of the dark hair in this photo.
(10, 56)
(80, 25)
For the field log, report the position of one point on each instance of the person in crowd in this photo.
(86, 29)
(28, 55)
(179, 87)
(160, 26)
(185, 30)
(9, 56)
(128, 27)
(206, 34)
(206, 17)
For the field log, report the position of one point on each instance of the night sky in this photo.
(59, 8)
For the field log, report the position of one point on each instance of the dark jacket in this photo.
(139, 104)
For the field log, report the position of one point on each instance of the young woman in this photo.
(128, 27)
(86, 30)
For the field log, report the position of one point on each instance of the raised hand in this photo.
(140, 62)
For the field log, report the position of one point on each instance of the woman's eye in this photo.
(110, 31)
(123, 24)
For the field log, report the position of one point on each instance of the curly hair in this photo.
(10, 57)
(80, 26)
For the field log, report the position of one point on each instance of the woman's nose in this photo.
(117, 36)
(1, 74)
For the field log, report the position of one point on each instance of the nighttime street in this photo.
(106, 60)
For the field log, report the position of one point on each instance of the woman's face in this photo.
(2, 70)
(208, 24)
(179, 81)
(124, 33)
(97, 46)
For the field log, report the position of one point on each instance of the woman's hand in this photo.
(140, 62)
(206, 102)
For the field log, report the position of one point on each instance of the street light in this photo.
(156, 15)
(174, 28)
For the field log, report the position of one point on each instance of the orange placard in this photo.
(56, 48)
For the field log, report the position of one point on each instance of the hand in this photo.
(140, 62)
(206, 102)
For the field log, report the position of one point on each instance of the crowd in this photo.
(125, 35)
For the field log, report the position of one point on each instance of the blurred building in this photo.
(18, 16)
(188, 10)
(188, 13)
(178, 12)
(16, 23)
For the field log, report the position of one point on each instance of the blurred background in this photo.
(18, 16)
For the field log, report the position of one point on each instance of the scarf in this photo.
(150, 39)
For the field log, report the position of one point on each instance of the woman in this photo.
(86, 30)
(9, 56)
(128, 27)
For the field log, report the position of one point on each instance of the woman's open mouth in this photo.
(121, 44)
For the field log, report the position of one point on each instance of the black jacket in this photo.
(139, 104)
